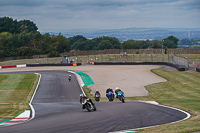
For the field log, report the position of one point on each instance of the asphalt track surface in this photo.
(58, 110)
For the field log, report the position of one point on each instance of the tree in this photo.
(58, 44)
(28, 26)
(25, 51)
(63, 44)
(13, 26)
(35, 42)
(77, 42)
(116, 44)
(88, 44)
(104, 44)
(130, 44)
(171, 42)
(28, 41)
(7, 44)
(23, 39)
(155, 44)
(45, 42)
(9, 25)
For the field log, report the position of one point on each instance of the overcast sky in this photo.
(104, 14)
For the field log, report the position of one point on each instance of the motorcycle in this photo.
(69, 78)
(110, 96)
(121, 96)
(97, 97)
(88, 105)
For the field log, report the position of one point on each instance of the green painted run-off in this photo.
(86, 78)
(3, 121)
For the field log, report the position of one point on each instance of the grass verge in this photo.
(182, 90)
(16, 91)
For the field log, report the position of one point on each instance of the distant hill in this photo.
(132, 33)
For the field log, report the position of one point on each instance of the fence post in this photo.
(146, 57)
(168, 57)
(187, 62)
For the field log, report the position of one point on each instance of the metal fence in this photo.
(32, 61)
(183, 61)
(106, 58)
(194, 64)
(128, 58)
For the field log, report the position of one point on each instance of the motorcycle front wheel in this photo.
(123, 99)
(97, 99)
(90, 107)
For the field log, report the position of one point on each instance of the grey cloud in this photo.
(102, 13)
(79, 3)
(21, 3)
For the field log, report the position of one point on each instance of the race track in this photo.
(57, 108)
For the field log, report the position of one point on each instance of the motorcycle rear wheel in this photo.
(94, 108)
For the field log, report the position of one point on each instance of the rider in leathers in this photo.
(109, 90)
(97, 93)
(116, 91)
(82, 98)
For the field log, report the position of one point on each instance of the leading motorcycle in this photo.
(121, 96)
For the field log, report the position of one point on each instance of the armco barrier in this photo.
(178, 67)
(57, 64)
(39, 65)
(13, 66)
(19, 66)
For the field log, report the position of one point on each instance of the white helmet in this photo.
(116, 88)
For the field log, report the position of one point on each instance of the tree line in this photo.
(22, 38)
(189, 43)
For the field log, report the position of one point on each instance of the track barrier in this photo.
(56, 64)
(177, 66)
(13, 66)
(197, 69)
(39, 65)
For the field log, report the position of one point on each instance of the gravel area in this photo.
(130, 78)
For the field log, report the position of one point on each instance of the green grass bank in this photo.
(16, 91)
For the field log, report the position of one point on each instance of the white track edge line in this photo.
(30, 104)
(129, 130)
(78, 82)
